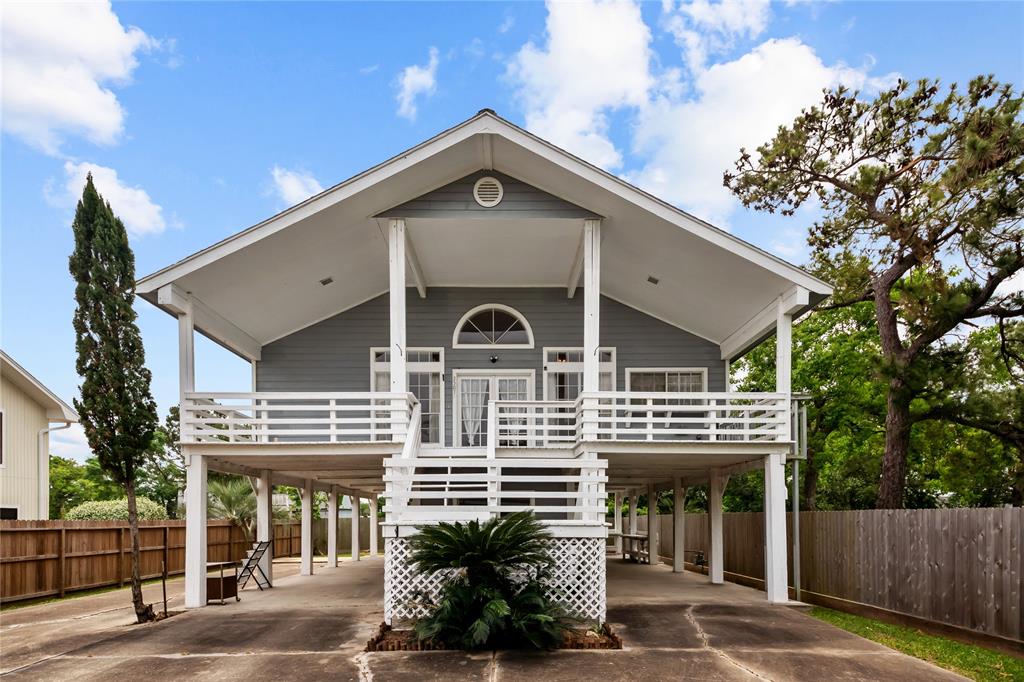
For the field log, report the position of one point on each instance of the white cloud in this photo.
(415, 81)
(688, 144)
(70, 443)
(367, 70)
(569, 85)
(706, 27)
(59, 61)
(141, 216)
(507, 23)
(294, 186)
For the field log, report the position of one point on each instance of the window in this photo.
(493, 325)
(667, 380)
(563, 372)
(678, 380)
(8, 513)
(425, 370)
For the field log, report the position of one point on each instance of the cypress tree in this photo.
(116, 406)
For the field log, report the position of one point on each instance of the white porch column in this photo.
(332, 528)
(195, 530)
(678, 526)
(783, 351)
(617, 525)
(653, 527)
(355, 526)
(306, 559)
(775, 528)
(265, 521)
(396, 301)
(373, 524)
(716, 559)
(591, 319)
(632, 512)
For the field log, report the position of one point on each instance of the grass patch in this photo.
(975, 662)
(77, 594)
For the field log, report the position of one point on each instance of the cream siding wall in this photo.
(19, 474)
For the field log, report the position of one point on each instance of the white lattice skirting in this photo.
(577, 579)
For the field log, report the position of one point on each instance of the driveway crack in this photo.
(706, 641)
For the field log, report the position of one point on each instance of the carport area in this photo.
(674, 626)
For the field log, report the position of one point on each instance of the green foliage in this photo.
(161, 476)
(68, 486)
(232, 498)
(922, 200)
(493, 595)
(115, 510)
(974, 662)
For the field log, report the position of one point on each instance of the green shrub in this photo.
(116, 510)
(493, 595)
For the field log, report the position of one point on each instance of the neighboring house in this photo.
(28, 413)
(481, 324)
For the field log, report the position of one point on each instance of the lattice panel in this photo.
(577, 579)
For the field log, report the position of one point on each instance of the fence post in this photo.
(167, 540)
(120, 556)
(61, 551)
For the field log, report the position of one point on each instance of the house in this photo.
(481, 324)
(28, 413)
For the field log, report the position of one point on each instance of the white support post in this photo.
(306, 559)
(617, 515)
(717, 558)
(373, 524)
(195, 531)
(355, 526)
(265, 521)
(678, 526)
(653, 527)
(775, 549)
(783, 351)
(332, 528)
(591, 321)
(632, 512)
(396, 300)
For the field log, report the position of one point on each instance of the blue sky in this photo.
(199, 120)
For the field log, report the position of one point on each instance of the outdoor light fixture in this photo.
(494, 359)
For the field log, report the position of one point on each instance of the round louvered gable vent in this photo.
(488, 191)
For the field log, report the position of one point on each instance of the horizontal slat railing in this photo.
(532, 424)
(560, 490)
(293, 417)
(728, 417)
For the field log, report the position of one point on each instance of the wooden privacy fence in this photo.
(50, 558)
(960, 567)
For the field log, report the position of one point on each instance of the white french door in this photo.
(473, 390)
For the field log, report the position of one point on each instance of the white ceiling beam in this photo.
(487, 151)
(414, 265)
(576, 271)
(179, 302)
(761, 324)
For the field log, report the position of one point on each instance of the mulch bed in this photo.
(388, 639)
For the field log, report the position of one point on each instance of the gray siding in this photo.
(519, 200)
(334, 355)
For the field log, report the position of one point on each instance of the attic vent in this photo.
(488, 191)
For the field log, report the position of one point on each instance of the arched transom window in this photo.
(493, 325)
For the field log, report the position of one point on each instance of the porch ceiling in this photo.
(265, 281)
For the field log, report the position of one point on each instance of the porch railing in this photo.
(561, 491)
(733, 417)
(282, 417)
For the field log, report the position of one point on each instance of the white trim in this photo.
(749, 334)
(420, 367)
(493, 306)
(591, 302)
(639, 370)
(610, 367)
(59, 411)
(530, 374)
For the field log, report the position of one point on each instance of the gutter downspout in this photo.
(43, 466)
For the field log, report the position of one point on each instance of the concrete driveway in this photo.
(674, 627)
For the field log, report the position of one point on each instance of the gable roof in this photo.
(56, 409)
(645, 236)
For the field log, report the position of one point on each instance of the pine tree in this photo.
(116, 407)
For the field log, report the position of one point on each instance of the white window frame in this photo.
(496, 306)
(531, 375)
(630, 371)
(424, 367)
(574, 367)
